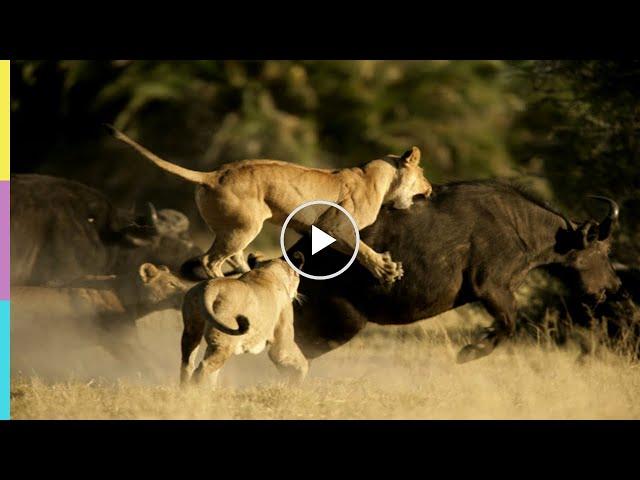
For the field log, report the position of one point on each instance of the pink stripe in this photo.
(4, 240)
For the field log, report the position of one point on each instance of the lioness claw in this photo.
(389, 271)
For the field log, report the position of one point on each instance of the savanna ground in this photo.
(384, 373)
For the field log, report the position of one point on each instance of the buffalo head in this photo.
(585, 248)
(159, 236)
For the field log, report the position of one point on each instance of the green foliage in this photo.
(334, 113)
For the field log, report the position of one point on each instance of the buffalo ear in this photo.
(135, 233)
(411, 157)
(565, 241)
(298, 260)
(588, 233)
(605, 228)
(577, 239)
(147, 272)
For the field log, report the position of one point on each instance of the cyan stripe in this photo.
(5, 376)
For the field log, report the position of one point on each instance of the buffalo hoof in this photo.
(473, 352)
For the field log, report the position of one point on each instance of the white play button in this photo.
(305, 216)
(319, 240)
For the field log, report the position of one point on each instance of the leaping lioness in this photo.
(236, 199)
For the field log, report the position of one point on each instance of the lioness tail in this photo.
(243, 325)
(190, 175)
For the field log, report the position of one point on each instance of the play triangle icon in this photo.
(319, 240)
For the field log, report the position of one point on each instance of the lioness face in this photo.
(409, 181)
(157, 285)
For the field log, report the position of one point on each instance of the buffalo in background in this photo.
(62, 230)
(70, 246)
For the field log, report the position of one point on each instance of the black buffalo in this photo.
(62, 230)
(471, 241)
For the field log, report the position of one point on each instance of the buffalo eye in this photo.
(91, 219)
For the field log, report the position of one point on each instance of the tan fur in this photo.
(263, 296)
(102, 308)
(238, 198)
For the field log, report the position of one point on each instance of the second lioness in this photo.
(239, 197)
(260, 302)
(101, 309)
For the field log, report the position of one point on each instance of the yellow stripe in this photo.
(4, 119)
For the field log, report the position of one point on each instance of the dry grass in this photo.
(385, 373)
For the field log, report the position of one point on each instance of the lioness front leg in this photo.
(381, 265)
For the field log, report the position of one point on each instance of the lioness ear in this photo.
(147, 272)
(411, 157)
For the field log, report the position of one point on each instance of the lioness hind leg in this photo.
(214, 259)
(209, 368)
(290, 362)
(231, 242)
(239, 263)
(286, 354)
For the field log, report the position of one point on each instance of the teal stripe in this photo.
(5, 376)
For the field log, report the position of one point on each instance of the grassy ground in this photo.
(385, 373)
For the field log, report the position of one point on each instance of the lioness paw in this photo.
(389, 270)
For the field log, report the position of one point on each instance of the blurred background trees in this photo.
(565, 128)
(581, 132)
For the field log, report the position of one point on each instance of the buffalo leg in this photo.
(323, 327)
(502, 306)
(190, 350)
(192, 334)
